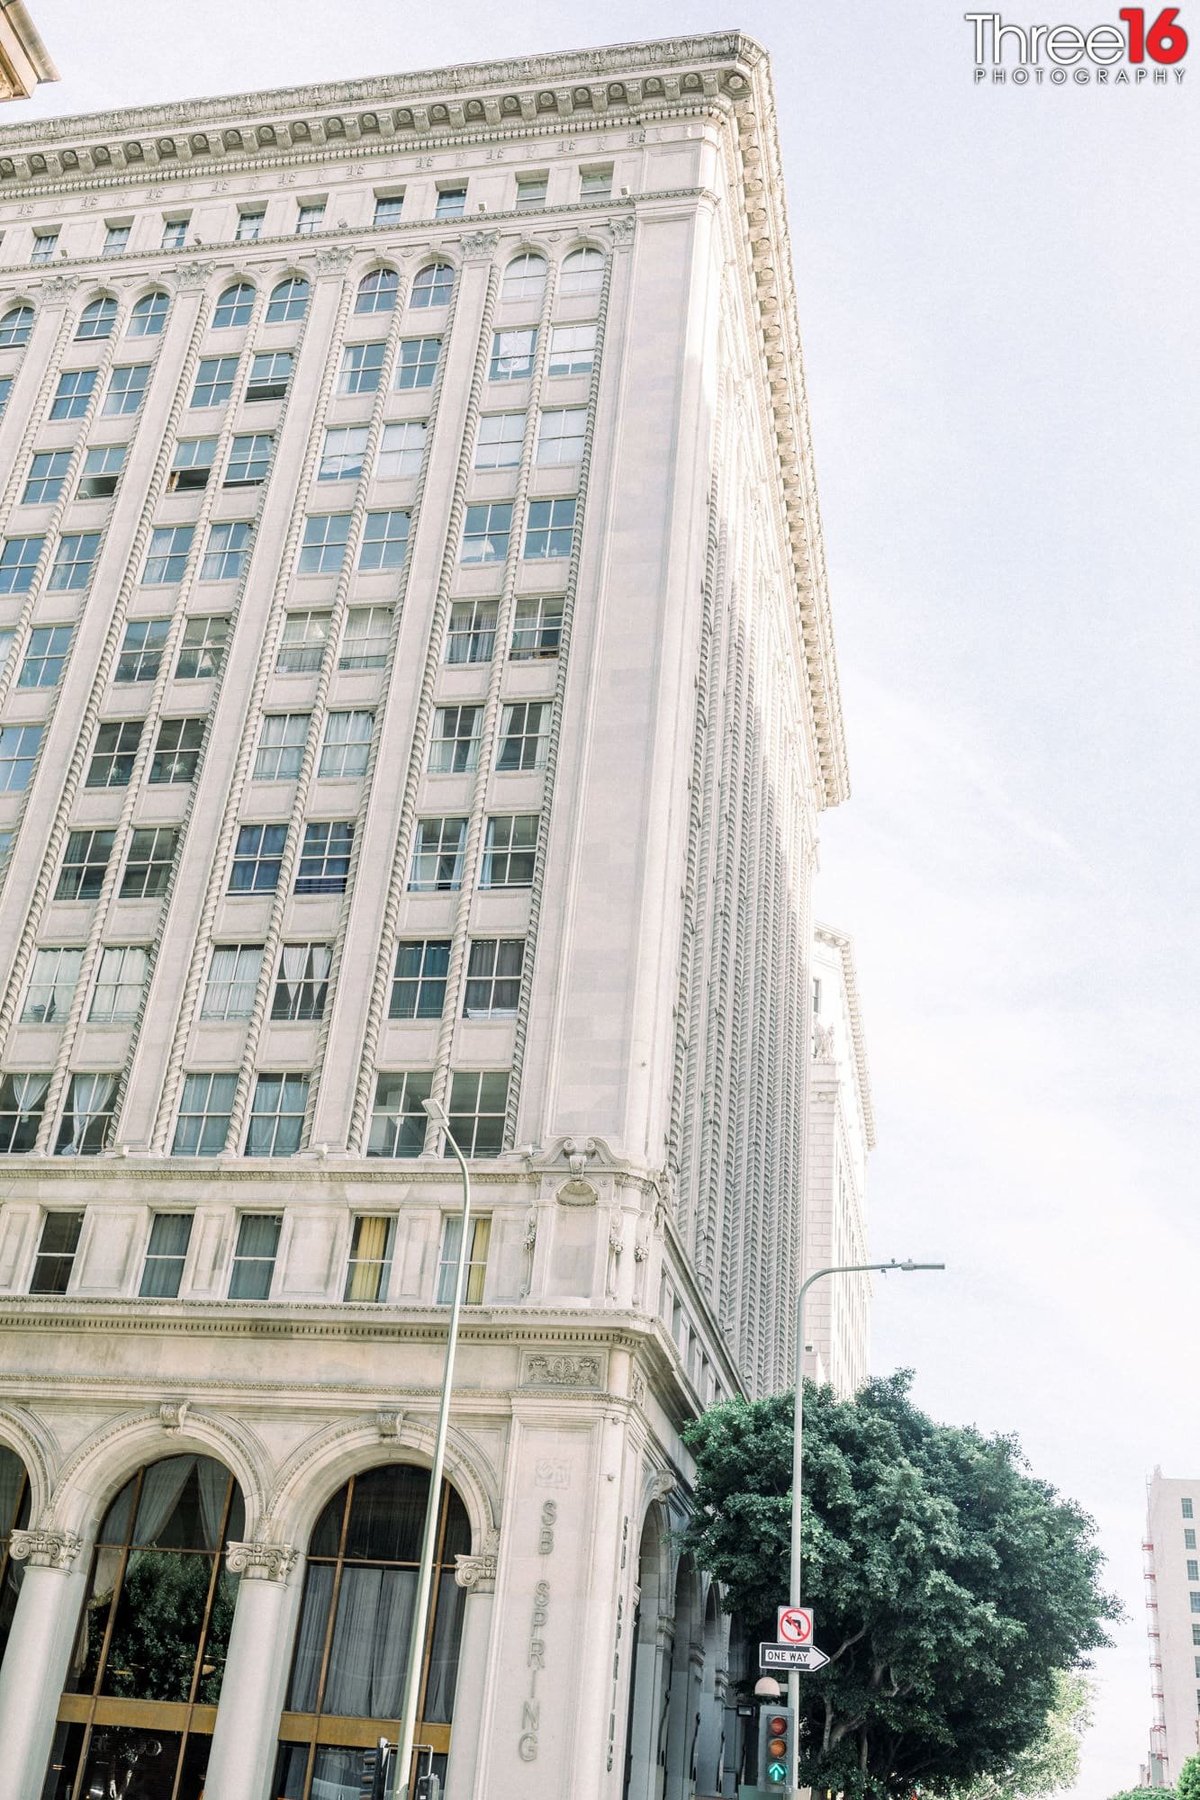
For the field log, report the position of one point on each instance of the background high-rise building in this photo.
(1173, 1613)
(418, 681)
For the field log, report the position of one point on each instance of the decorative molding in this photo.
(334, 259)
(45, 1547)
(824, 1044)
(478, 1572)
(547, 1370)
(192, 278)
(59, 287)
(172, 1414)
(258, 1561)
(388, 1424)
(623, 228)
(479, 246)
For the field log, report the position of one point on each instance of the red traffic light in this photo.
(777, 1725)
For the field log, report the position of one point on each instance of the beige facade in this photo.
(420, 682)
(1173, 1613)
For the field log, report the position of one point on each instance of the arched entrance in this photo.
(137, 1716)
(643, 1736)
(351, 1651)
(710, 1746)
(14, 1513)
(683, 1708)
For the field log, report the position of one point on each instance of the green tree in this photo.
(1143, 1793)
(1050, 1763)
(1188, 1785)
(951, 1588)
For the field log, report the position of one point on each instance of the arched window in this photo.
(524, 278)
(149, 315)
(377, 292)
(288, 301)
(14, 1513)
(15, 327)
(97, 318)
(145, 1674)
(234, 306)
(352, 1641)
(582, 273)
(433, 285)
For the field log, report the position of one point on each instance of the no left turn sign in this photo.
(794, 1625)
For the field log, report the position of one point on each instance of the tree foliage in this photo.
(951, 1588)
(1050, 1764)
(1187, 1787)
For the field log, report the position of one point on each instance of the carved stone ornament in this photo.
(387, 1423)
(172, 1415)
(662, 1483)
(562, 1371)
(59, 287)
(623, 229)
(194, 276)
(479, 244)
(260, 1562)
(478, 1572)
(637, 1389)
(531, 1228)
(333, 260)
(824, 1048)
(46, 1547)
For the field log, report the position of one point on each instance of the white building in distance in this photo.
(1173, 1613)
(418, 682)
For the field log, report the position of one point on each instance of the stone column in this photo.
(477, 1574)
(39, 1651)
(256, 1671)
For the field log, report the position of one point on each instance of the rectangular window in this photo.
(572, 350)
(310, 217)
(302, 644)
(126, 389)
(401, 449)
(498, 445)
(1189, 1539)
(451, 203)
(177, 751)
(347, 742)
(56, 1253)
(478, 1100)
(101, 472)
(249, 459)
(116, 240)
(549, 528)
(250, 225)
(18, 752)
(74, 560)
(1193, 1569)
(362, 368)
(471, 636)
(214, 381)
(277, 1115)
(370, 1263)
(87, 1115)
(454, 747)
(561, 432)
(302, 983)
(384, 541)
(524, 735)
(84, 861)
(531, 192)
(513, 353)
(388, 208)
(45, 243)
(342, 454)
(1186, 1506)
(596, 184)
(417, 362)
(170, 547)
(148, 865)
(254, 1259)
(258, 859)
(270, 373)
(1194, 1600)
(228, 551)
(73, 393)
(281, 746)
(508, 850)
(192, 464)
(202, 648)
(486, 530)
(142, 650)
(119, 983)
(113, 756)
(45, 656)
(537, 629)
(18, 560)
(47, 473)
(324, 543)
(232, 979)
(476, 1264)
(6, 382)
(22, 1102)
(1195, 1628)
(325, 857)
(366, 638)
(437, 863)
(166, 1254)
(398, 1118)
(51, 986)
(174, 233)
(419, 979)
(493, 978)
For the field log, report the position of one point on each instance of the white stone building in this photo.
(1173, 1616)
(418, 680)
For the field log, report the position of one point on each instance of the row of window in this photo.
(478, 1101)
(252, 1267)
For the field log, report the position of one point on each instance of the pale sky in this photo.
(997, 297)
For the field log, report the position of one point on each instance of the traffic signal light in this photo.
(776, 1728)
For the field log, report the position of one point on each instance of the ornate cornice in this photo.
(260, 1561)
(46, 1547)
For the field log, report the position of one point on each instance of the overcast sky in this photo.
(998, 296)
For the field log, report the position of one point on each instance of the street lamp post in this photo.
(420, 1619)
(795, 1584)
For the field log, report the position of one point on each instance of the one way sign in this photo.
(804, 1657)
